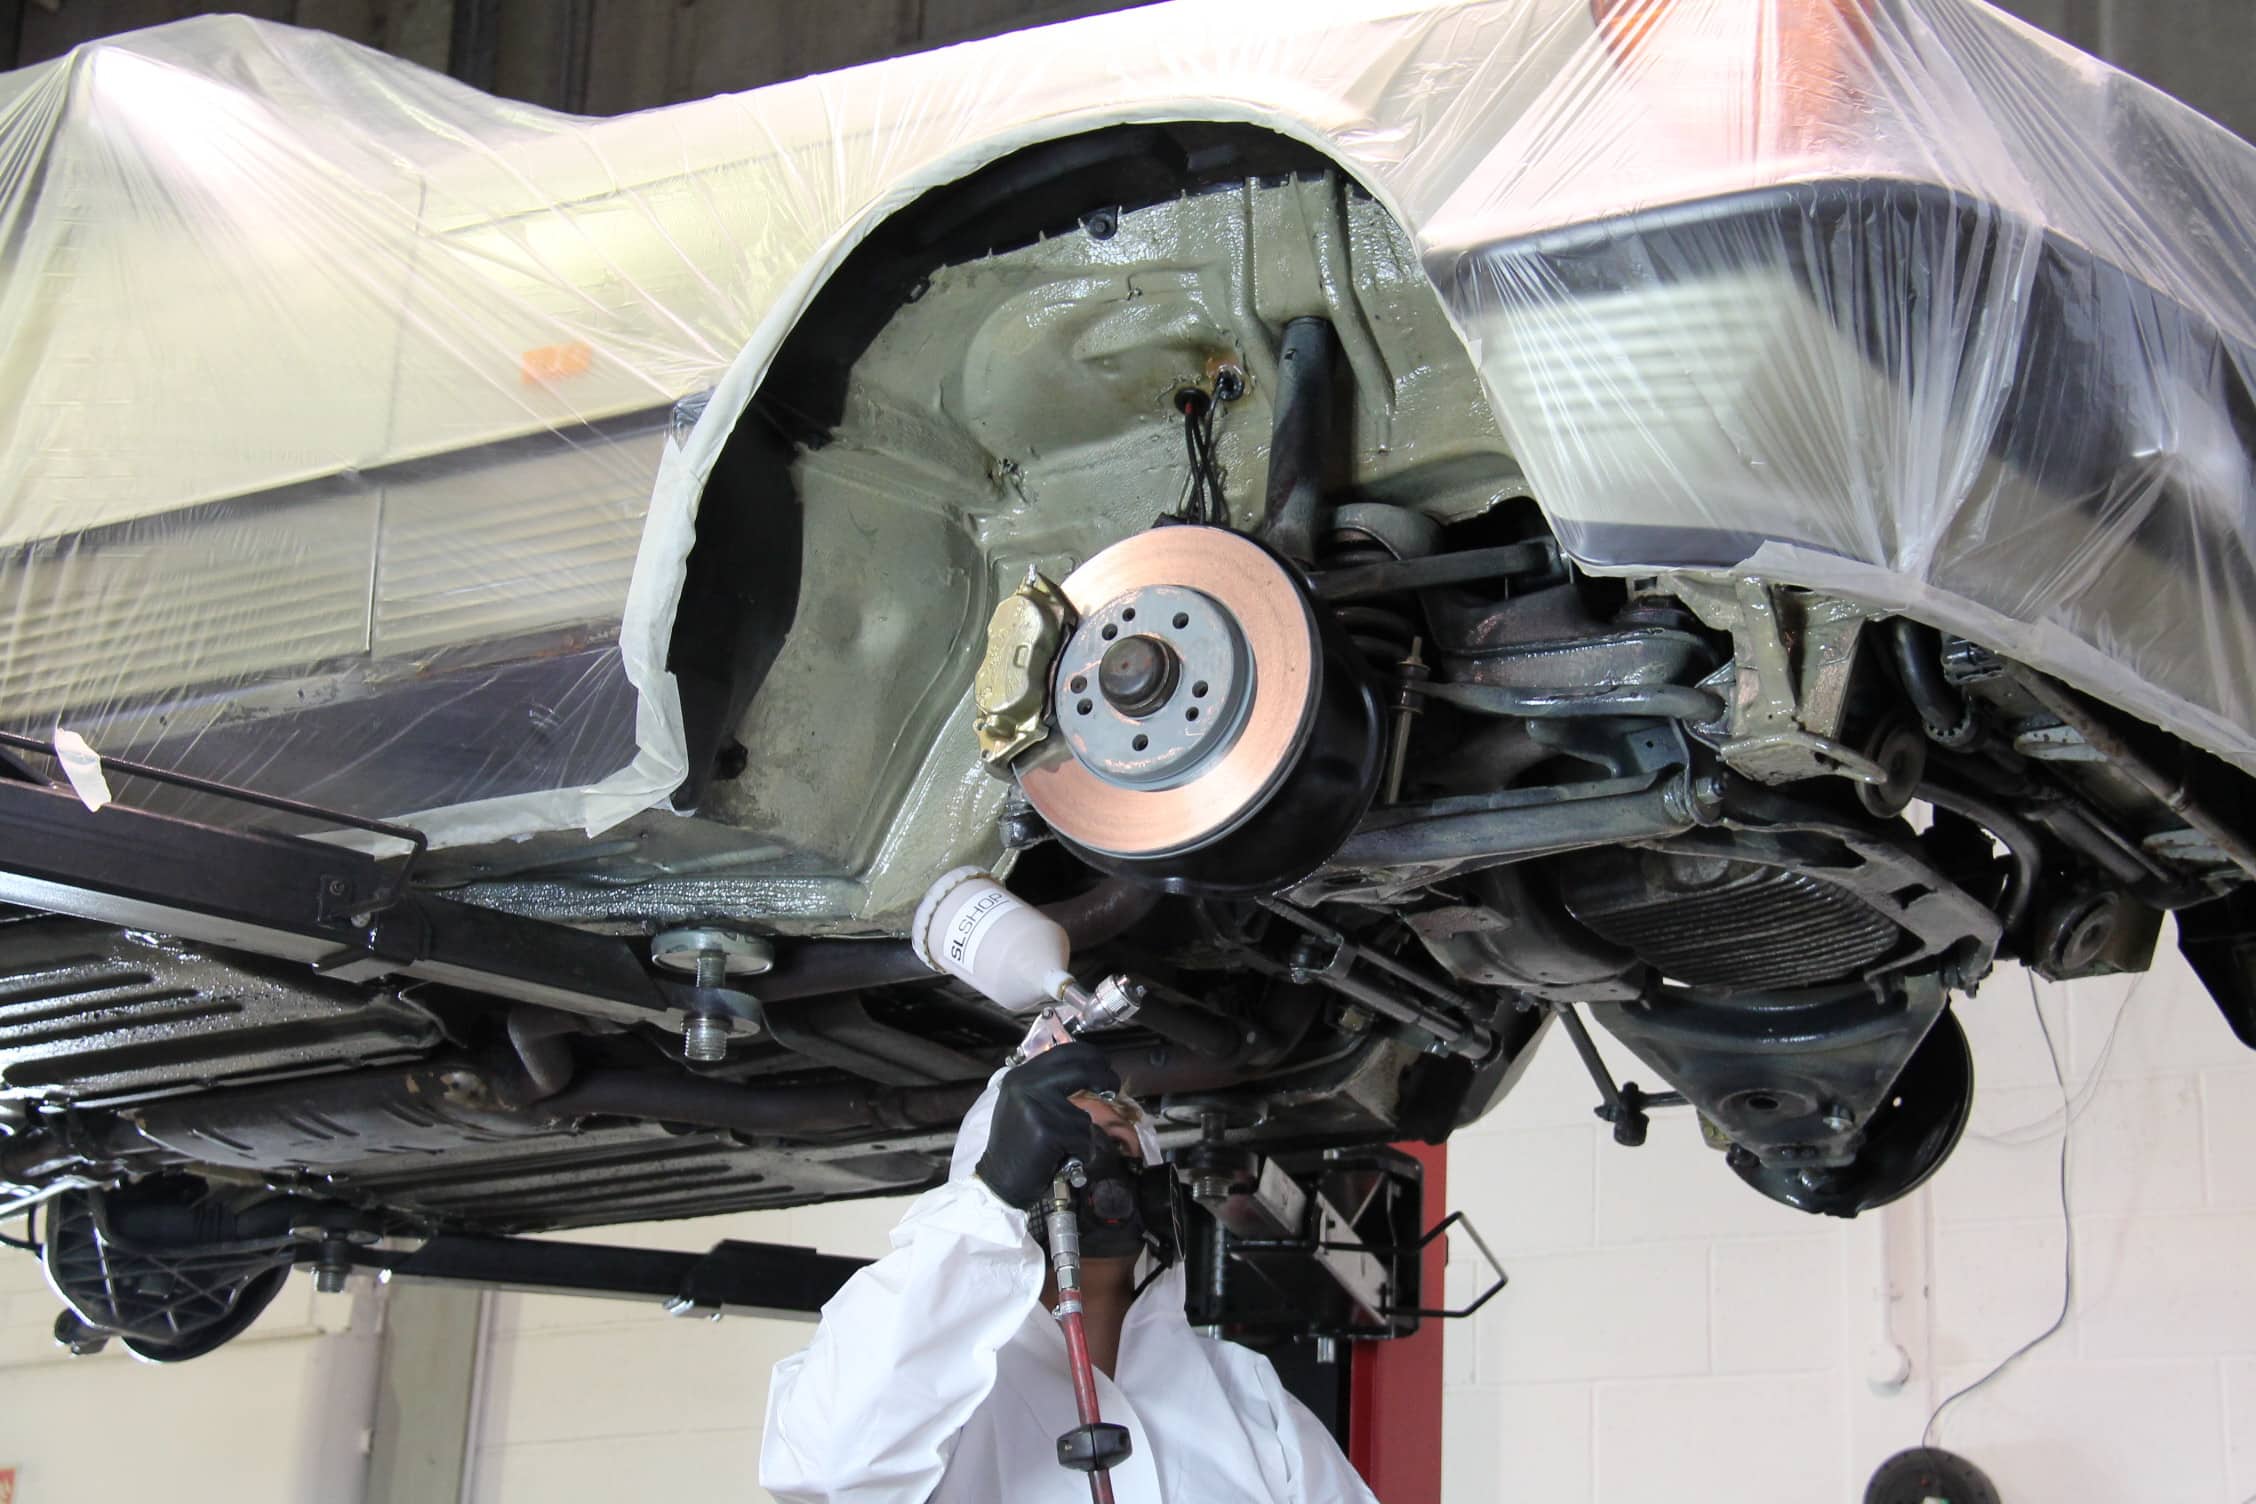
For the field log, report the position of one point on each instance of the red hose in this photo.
(1077, 1357)
(1084, 1377)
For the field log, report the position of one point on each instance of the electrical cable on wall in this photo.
(2025, 1134)
(2067, 1230)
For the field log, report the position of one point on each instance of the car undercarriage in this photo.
(1127, 519)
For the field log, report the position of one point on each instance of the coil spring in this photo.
(1382, 634)
(1387, 639)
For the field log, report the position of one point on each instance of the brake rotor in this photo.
(1215, 734)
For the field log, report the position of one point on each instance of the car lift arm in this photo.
(329, 906)
(735, 1278)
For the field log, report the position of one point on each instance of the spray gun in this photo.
(985, 936)
(979, 932)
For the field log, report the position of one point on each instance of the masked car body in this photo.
(1688, 436)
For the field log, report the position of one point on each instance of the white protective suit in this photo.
(937, 1375)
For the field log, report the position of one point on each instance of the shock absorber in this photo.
(1299, 426)
(1300, 525)
(1387, 640)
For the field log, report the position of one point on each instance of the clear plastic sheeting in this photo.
(345, 454)
(1901, 300)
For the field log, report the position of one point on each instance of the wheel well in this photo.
(741, 587)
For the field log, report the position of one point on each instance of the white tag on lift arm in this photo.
(82, 765)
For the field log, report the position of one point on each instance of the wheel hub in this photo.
(1154, 686)
(1137, 674)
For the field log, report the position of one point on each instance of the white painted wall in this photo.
(1670, 1335)
(582, 1398)
(279, 1416)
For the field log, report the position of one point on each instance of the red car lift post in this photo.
(1394, 1393)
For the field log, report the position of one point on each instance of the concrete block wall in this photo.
(577, 1395)
(1670, 1334)
(279, 1416)
(576, 1400)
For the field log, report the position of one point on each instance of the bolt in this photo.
(1796, 1154)
(76, 1337)
(711, 956)
(333, 1266)
(1209, 1188)
(1100, 223)
(1837, 1118)
(705, 1038)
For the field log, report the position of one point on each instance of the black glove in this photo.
(1037, 1126)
